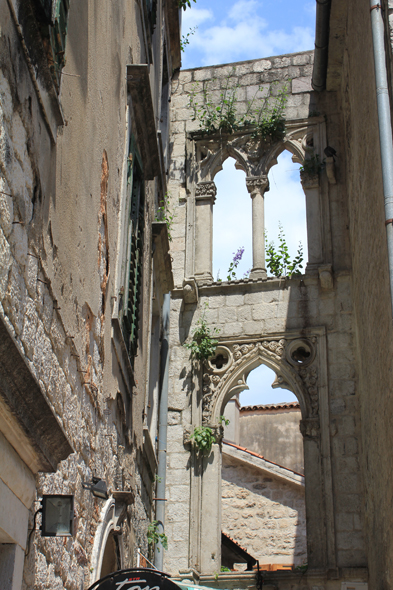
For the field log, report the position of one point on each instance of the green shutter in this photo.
(130, 320)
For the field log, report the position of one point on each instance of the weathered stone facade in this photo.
(66, 188)
(264, 320)
(264, 513)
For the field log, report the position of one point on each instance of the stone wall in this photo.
(264, 515)
(247, 311)
(63, 192)
(351, 74)
(275, 434)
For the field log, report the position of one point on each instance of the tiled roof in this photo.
(230, 444)
(233, 541)
(283, 406)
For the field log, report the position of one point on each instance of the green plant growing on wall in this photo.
(278, 260)
(203, 438)
(184, 4)
(165, 214)
(154, 536)
(312, 166)
(203, 344)
(185, 39)
(264, 115)
(224, 421)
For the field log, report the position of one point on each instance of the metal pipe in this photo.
(162, 432)
(321, 45)
(385, 126)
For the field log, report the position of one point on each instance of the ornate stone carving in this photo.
(310, 428)
(276, 346)
(257, 184)
(309, 377)
(206, 190)
(214, 380)
(190, 291)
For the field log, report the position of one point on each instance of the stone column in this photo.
(205, 196)
(310, 185)
(257, 186)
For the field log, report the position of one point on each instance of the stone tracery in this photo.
(220, 385)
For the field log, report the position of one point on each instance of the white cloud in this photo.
(195, 17)
(242, 34)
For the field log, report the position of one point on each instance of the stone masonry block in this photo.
(244, 313)
(261, 65)
(179, 460)
(257, 92)
(344, 521)
(5, 264)
(234, 300)
(232, 329)
(281, 62)
(227, 314)
(302, 84)
(203, 74)
(250, 79)
(179, 493)
(184, 77)
(253, 328)
(177, 512)
(6, 208)
(301, 60)
(263, 311)
(15, 298)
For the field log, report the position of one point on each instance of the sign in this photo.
(135, 579)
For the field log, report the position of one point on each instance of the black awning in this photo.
(136, 579)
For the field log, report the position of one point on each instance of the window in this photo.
(53, 18)
(131, 291)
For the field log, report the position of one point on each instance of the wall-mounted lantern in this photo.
(97, 487)
(57, 516)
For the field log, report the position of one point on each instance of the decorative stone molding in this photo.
(291, 374)
(257, 185)
(310, 379)
(309, 181)
(310, 428)
(326, 277)
(190, 291)
(330, 170)
(206, 190)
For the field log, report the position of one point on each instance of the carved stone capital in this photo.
(257, 185)
(310, 428)
(309, 181)
(206, 190)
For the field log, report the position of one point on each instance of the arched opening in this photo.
(232, 222)
(263, 486)
(111, 560)
(285, 206)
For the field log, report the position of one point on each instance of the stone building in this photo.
(84, 267)
(322, 333)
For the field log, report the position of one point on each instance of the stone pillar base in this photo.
(258, 273)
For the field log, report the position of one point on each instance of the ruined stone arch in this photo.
(286, 377)
(308, 381)
(255, 158)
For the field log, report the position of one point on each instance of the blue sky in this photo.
(239, 30)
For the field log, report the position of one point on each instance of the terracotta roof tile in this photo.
(283, 406)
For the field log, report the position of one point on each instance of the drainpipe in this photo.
(162, 432)
(385, 126)
(321, 45)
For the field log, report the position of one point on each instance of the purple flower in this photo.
(237, 256)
